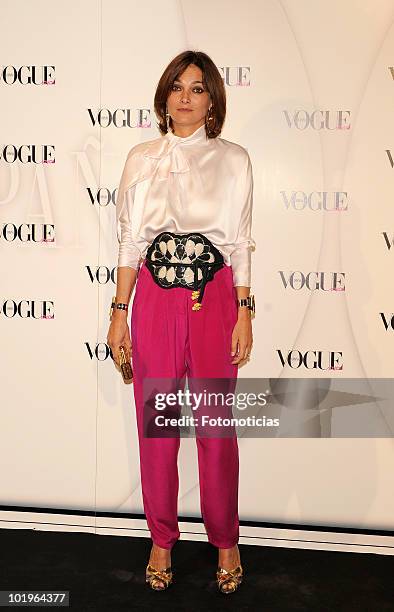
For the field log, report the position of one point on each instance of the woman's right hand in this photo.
(119, 335)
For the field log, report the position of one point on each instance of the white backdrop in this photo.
(310, 95)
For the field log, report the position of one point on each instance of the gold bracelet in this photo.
(249, 302)
(118, 306)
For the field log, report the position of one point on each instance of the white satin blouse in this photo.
(186, 184)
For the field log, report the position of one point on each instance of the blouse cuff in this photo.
(129, 257)
(241, 264)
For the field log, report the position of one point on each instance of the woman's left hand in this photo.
(242, 337)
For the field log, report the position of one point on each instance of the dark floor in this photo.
(107, 573)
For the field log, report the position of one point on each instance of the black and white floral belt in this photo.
(183, 260)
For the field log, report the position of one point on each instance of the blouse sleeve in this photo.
(129, 254)
(241, 255)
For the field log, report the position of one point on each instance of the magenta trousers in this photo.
(171, 340)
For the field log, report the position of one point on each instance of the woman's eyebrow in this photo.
(176, 81)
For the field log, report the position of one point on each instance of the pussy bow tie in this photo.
(169, 151)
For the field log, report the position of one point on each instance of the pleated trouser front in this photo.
(170, 340)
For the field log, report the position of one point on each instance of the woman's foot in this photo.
(229, 560)
(159, 560)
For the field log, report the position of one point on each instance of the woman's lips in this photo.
(185, 110)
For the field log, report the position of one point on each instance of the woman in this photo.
(186, 197)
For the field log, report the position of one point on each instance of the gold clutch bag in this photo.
(125, 365)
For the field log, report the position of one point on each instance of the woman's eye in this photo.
(198, 89)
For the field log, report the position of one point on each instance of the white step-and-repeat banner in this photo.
(310, 91)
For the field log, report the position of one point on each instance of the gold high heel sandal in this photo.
(231, 578)
(158, 579)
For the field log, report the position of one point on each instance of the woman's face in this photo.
(188, 92)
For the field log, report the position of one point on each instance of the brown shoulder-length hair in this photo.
(212, 82)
